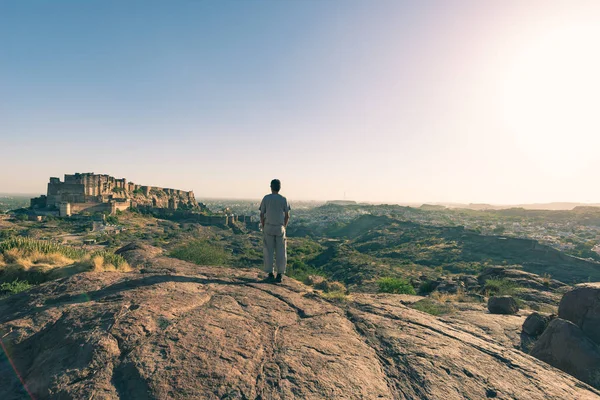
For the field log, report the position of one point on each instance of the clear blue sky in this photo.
(383, 100)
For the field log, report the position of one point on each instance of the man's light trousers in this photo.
(274, 242)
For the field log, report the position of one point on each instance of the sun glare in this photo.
(551, 102)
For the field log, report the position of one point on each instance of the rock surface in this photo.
(502, 305)
(521, 279)
(582, 307)
(474, 318)
(536, 323)
(565, 346)
(450, 286)
(183, 331)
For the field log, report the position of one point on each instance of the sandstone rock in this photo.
(565, 346)
(477, 297)
(450, 286)
(182, 331)
(473, 318)
(539, 300)
(502, 305)
(582, 307)
(536, 323)
(470, 282)
(521, 278)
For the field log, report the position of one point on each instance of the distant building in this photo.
(89, 192)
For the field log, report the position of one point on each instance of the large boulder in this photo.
(565, 346)
(502, 305)
(582, 307)
(536, 323)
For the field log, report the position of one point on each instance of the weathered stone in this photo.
(450, 286)
(565, 346)
(536, 323)
(502, 305)
(182, 331)
(470, 282)
(520, 278)
(582, 307)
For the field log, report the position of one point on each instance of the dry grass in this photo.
(55, 259)
(27, 260)
(336, 296)
(459, 297)
(327, 286)
(35, 266)
(98, 263)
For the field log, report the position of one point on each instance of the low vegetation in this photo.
(14, 287)
(321, 283)
(335, 296)
(36, 261)
(427, 286)
(432, 307)
(395, 285)
(202, 252)
(499, 287)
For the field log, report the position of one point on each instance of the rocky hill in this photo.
(175, 330)
(370, 246)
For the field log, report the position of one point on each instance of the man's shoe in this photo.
(279, 278)
(270, 277)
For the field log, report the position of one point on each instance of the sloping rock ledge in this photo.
(180, 331)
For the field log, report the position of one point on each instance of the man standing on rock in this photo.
(274, 217)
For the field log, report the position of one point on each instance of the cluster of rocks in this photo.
(571, 340)
(534, 291)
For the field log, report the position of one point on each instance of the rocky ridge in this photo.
(175, 330)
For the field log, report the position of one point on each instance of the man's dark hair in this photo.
(276, 185)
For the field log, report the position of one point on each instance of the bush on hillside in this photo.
(14, 287)
(427, 286)
(499, 287)
(202, 252)
(395, 285)
(432, 307)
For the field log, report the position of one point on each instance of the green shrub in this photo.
(395, 285)
(110, 258)
(42, 246)
(427, 286)
(202, 253)
(14, 287)
(499, 287)
(112, 219)
(432, 307)
(301, 271)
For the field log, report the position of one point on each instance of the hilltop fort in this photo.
(92, 193)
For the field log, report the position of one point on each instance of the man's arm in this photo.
(262, 209)
(287, 218)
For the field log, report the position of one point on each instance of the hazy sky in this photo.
(398, 101)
